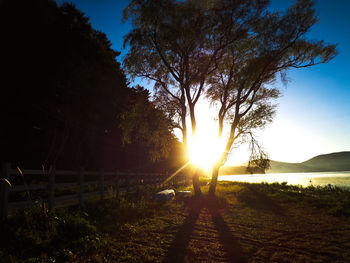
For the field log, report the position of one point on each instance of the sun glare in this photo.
(205, 149)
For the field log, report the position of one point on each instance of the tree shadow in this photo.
(232, 248)
(179, 248)
(258, 200)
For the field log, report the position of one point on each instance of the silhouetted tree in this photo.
(176, 43)
(65, 98)
(242, 85)
(143, 123)
(234, 47)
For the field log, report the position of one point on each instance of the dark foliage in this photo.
(65, 97)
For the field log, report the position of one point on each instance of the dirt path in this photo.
(297, 235)
(262, 233)
(204, 236)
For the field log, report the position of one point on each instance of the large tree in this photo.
(243, 82)
(175, 44)
(236, 48)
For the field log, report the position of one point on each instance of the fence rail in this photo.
(120, 181)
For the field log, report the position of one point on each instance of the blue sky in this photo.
(314, 113)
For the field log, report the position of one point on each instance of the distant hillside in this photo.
(228, 170)
(339, 161)
(282, 167)
(331, 162)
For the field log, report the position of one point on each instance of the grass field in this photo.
(244, 223)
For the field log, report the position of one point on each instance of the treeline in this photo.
(65, 100)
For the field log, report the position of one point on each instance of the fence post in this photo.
(171, 180)
(51, 188)
(5, 189)
(138, 182)
(102, 175)
(154, 180)
(81, 187)
(127, 182)
(117, 184)
(177, 179)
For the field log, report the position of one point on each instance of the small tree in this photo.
(144, 124)
(242, 83)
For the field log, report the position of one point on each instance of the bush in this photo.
(74, 227)
(35, 235)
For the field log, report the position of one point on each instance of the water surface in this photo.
(341, 179)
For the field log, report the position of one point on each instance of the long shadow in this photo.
(261, 201)
(179, 248)
(233, 250)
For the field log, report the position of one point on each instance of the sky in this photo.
(313, 115)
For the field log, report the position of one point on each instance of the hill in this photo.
(229, 170)
(339, 161)
(332, 162)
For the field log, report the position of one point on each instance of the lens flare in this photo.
(205, 150)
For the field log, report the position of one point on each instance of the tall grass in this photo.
(36, 235)
(334, 200)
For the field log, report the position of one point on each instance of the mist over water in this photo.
(341, 179)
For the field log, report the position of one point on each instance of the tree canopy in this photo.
(175, 44)
(232, 51)
(243, 84)
(67, 100)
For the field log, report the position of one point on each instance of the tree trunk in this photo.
(222, 161)
(184, 127)
(196, 186)
(214, 179)
(193, 119)
(195, 178)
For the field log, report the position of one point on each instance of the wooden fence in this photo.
(119, 181)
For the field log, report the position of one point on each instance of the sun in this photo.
(205, 149)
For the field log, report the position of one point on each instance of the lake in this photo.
(341, 179)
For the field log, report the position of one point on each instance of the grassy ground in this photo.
(244, 223)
